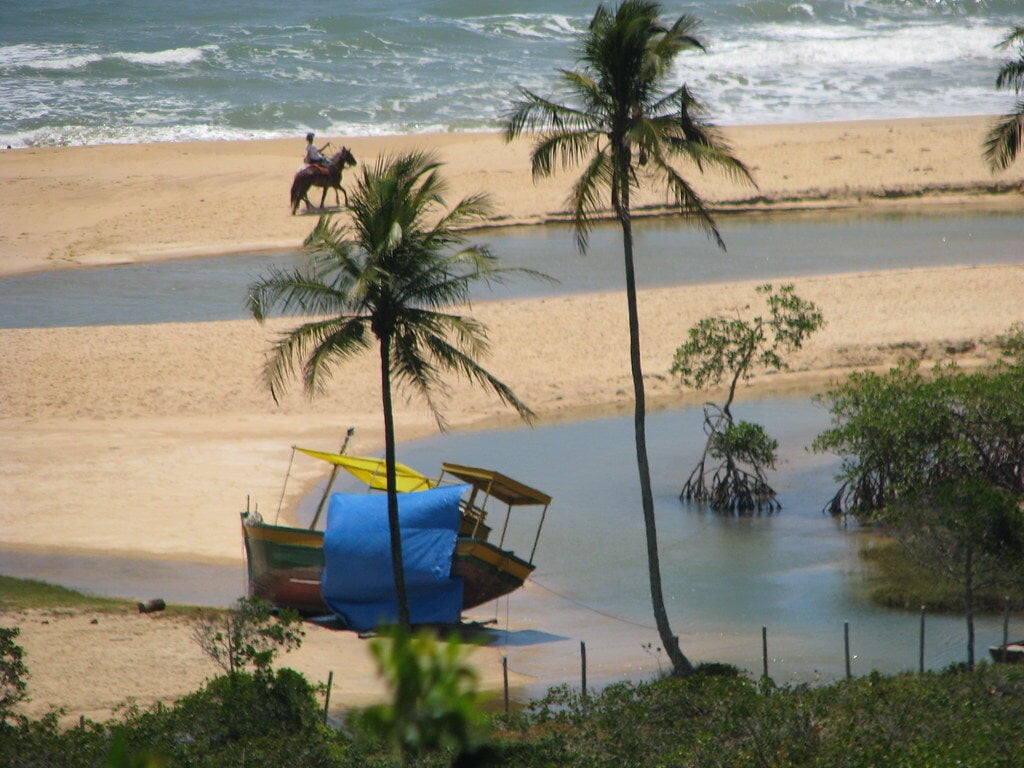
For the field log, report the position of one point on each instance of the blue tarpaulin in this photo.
(358, 582)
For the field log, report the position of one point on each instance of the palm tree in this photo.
(619, 117)
(1005, 139)
(389, 276)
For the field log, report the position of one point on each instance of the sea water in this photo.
(147, 70)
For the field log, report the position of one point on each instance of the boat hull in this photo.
(1011, 653)
(285, 566)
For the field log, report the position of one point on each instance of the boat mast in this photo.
(330, 481)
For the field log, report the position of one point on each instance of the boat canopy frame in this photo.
(496, 485)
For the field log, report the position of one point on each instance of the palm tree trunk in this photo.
(680, 664)
(398, 567)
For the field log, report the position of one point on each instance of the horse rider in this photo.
(315, 156)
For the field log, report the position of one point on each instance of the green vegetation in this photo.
(389, 277)
(937, 462)
(28, 594)
(622, 123)
(434, 703)
(732, 348)
(900, 582)
(248, 635)
(714, 718)
(1005, 139)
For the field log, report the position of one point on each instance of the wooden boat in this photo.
(1011, 653)
(285, 563)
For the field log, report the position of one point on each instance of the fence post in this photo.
(846, 644)
(583, 667)
(504, 675)
(1006, 627)
(327, 698)
(764, 651)
(920, 650)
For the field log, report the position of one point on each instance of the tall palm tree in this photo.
(1006, 138)
(387, 276)
(619, 118)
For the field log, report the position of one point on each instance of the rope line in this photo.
(598, 611)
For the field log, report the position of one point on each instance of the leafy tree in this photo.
(939, 462)
(967, 531)
(732, 348)
(387, 276)
(1005, 139)
(247, 635)
(902, 432)
(627, 128)
(434, 699)
(12, 673)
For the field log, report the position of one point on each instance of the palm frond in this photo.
(1005, 139)
(341, 336)
(1015, 35)
(569, 147)
(456, 359)
(585, 196)
(299, 292)
(536, 113)
(1011, 75)
(689, 202)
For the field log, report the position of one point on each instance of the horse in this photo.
(328, 177)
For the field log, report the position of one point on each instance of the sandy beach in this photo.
(146, 440)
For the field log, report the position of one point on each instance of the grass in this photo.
(30, 594)
(898, 582)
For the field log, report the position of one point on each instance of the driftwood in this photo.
(152, 606)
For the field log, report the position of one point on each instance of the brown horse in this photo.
(319, 176)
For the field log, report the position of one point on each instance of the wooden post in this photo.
(764, 651)
(583, 667)
(504, 674)
(846, 644)
(920, 649)
(1006, 627)
(327, 698)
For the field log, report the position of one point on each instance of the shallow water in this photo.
(759, 248)
(796, 572)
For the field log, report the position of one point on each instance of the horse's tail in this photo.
(299, 188)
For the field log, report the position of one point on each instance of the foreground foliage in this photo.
(722, 720)
(715, 718)
(434, 704)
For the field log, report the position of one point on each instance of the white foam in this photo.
(172, 57)
(47, 57)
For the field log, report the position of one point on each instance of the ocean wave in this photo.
(549, 27)
(57, 58)
(46, 57)
(171, 57)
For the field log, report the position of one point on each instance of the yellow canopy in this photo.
(373, 472)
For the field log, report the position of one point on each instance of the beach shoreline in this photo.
(146, 440)
(113, 204)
